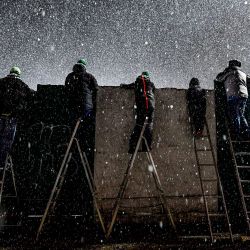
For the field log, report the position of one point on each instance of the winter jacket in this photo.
(15, 95)
(144, 93)
(82, 88)
(235, 82)
(196, 98)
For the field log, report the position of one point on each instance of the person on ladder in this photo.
(235, 82)
(145, 103)
(196, 101)
(15, 96)
(82, 88)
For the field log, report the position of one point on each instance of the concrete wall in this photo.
(173, 151)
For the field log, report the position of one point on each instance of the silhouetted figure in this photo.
(235, 82)
(14, 100)
(196, 100)
(145, 103)
(81, 88)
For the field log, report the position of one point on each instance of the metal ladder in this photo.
(208, 149)
(241, 158)
(8, 166)
(124, 184)
(60, 180)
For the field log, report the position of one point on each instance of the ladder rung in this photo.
(242, 153)
(246, 196)
(245, 181)
(201, 150)
(213, 195)
(217, 215)
(243, 167)
(206, 164)
(209, 179)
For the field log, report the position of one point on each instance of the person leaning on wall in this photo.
(196, 101)
(15, 96)
(235, 82)
(144, 90)
(81, 88)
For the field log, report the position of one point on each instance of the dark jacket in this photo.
(144, 93)
(235, 81)
(196, 99)
(82, 88)
(15, 95)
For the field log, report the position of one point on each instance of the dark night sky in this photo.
(173, 39)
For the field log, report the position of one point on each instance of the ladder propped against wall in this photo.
(203, 151)
(125, 180)
(8, 167)
(61, 177)
(241, 158)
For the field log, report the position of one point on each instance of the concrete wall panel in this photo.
(173, 150)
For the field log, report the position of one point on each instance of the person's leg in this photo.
(7, 138)
(244, 128)
(2, 139)
(136, 132)
(233, 112)
(148, 134)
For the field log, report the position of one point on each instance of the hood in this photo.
(79, 68)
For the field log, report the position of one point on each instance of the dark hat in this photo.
(233, 63)
(194, 82)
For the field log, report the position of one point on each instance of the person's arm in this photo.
(94, 85)
(127, 86)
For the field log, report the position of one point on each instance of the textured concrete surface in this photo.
(173, 151)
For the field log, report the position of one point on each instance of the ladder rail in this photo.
(124, 183)
(219, 182)
(58, 178)
(238, 177)
(8, 165)
(202, 189)
(159, 187)
(90, 183)
(3, 178)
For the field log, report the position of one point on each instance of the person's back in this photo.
(14, 94)
(234, 79)
(235, 83)
(145, 102)
(144, 93)
(14, 99)
(81, 87)
(196, 100)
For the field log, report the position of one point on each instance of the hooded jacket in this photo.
(14, 95)
(196, 98)
(82, 88)
(235, 82)
(144, 93)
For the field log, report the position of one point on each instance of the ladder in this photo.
(8, 167)
(60, 180)
(241, 158)
(203, 145)
(124, 184)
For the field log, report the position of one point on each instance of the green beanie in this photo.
(15, 70)
(145, 73)
(82, 61)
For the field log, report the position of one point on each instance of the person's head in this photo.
(194, 82)
(15, 70)
(234, 63)
(145, 74)
(83, 62)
